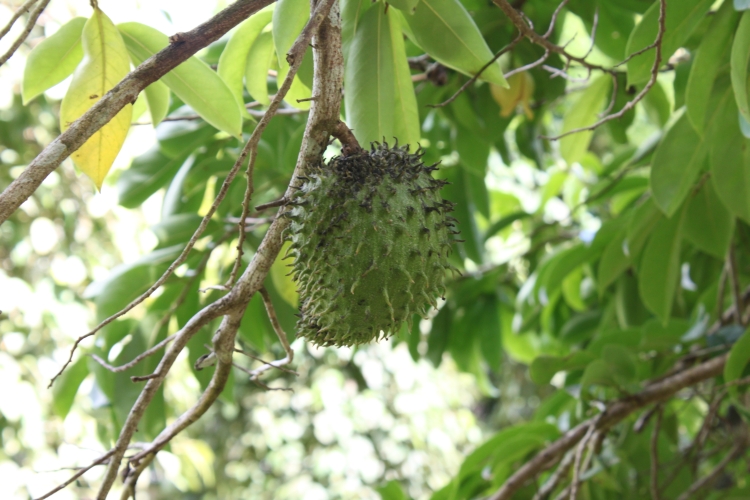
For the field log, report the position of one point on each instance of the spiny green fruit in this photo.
(370, 239)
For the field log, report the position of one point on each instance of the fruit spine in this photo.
(370, 236)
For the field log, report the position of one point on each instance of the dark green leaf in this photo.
(740, 59)
(659, 273)
(146, 175)
(678, 160)
(708, 224)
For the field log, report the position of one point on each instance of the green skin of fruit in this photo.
(370, 239)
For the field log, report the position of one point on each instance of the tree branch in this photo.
(612, 414)
(123, 93)
(33, 17)
(324, 113)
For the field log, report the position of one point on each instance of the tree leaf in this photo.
(730, 160)
(193, 81)
(157, 97)
(259, 59)
(680, 22)
(713, 52)
(391, 491)
(127, 281)
(446, 31)
(180, 228)
(543, 368)
(659, 272)
(738, 358)
(65, 390)
(368, 79)
(708, 224)
(740, 59)
(640, 226)
(289, 17)
(53, 60)
(235, 56)
(146, 175)
(105, 64)
(584, 112)
(613, 262)
(407, 6)
(677, 162)
(351, 17)
(405, 116)
(282, 280)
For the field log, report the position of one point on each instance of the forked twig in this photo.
(33, 17)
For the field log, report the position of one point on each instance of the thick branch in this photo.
(613, 414)
(123, 93)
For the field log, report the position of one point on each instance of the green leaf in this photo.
(193, 81)
(712, 54)
(127, 281)
(259, 60)
(405, 114)
(613, 262)
(487, 323)
(621, 362)
(282, 279)
(391, 491)
(289, 17)
(708, 224)
(640, 226)
(351, 18)
(53, 60)
(560, 265)
(157, 97)
(584, 112)
(437, 340)
(146, 175)
(680, 22)
(180, 228)
(368, 79)
(105, 64)
(446, 31)
(543, 368)
(64, 391)
(235, 55)
(676, 165)
(738, 358)
(659, 272)
(740, 59)
(407, 6)
(730, 161)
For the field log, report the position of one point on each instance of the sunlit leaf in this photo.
(193, 81)
(105, 64)
(234, 57)
(259, 59)
(369, 78)
(406, 116)
(282, 279)
(53, 60)
(447, 32)
(584, 112)
(65, 389)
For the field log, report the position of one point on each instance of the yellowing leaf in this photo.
(282, 280)
(105, 63)
(519, 92)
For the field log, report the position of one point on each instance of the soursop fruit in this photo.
(370, 236)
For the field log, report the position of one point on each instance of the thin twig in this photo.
(737, 451)
(639, 97)
(130, 364)
(279, 333)
(554, 480)
(654, 483)
(78, 474)
(33, 17)
(479, 73)
(328, 75)
(257, 358)
(271, 204)
(17, 14)
(529, 66)
(577, 463)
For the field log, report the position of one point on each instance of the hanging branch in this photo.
(125, 92)
(324, 114)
